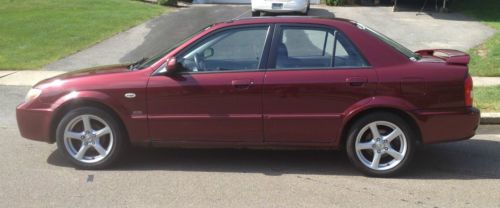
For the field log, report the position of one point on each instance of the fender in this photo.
(387, 102)
(136, 126)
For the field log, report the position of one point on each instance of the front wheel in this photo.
(90, 138)
(380, 144)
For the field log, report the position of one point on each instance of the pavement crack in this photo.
(8, 74)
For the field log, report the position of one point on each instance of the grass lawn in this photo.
(486, 57)
(487, 98)
(35, 33)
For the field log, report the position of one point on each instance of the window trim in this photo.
(277, 36)
(263, 59)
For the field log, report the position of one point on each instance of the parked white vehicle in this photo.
(280, 6)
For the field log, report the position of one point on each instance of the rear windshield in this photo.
(405, 51)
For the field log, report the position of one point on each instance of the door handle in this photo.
(242, 83)
(356, 81)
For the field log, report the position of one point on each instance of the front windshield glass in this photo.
(405, 51)
(144, 63)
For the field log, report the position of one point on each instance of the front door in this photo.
(217, 95)
(315, 74)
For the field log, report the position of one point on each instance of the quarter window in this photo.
(231, 50)
(301, 48)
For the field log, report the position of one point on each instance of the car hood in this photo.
(94, 71)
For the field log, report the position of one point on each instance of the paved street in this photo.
(33, 174)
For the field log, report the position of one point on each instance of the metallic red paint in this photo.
(266, 108)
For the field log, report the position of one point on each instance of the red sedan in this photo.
(282, 82)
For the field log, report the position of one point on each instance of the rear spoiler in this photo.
(452, 57)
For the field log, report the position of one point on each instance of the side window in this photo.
(346, 55)
(302, 47)
(234, 49)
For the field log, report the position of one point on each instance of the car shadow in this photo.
(472, 159)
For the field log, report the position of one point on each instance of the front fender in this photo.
(136, 125)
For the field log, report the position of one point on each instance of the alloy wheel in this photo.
(381, 145)
(88, 138)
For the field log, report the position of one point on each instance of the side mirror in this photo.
(209, 52)
(169, 67)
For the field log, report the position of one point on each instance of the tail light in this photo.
(468, 91)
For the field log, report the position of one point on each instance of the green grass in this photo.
(486, 57)
(487, 99)
(35, 33)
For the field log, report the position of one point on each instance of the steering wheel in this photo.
(199, 61)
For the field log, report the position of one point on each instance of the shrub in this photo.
(335, 2)
(167, 2)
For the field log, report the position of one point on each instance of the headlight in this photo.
(32, 94)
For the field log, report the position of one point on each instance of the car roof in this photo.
(286, 19)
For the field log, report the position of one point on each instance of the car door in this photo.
(315, 73)
(217, 94)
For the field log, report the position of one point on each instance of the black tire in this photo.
(255, 13)
(408, 135)
(119, 140)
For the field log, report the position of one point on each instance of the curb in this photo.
(490, 118)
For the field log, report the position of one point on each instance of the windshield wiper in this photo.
(137, 63)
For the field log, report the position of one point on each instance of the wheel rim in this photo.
(88, 138)
(381, 145)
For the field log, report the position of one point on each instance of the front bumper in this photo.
(290, 6)
(34, 123)
(449, 125)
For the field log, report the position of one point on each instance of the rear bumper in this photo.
(34, 124)
(449, 125)
(290, 6)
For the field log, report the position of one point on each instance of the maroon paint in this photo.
(297, 108)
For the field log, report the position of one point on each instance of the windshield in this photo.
(405, 51)
(146, 62)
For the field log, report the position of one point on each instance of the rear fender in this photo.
(373, 103)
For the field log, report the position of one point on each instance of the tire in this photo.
(395, 152)
(100, 142)
(255, 13)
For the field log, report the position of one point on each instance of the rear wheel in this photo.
(255, 13)
(380, 144)
(90, 138)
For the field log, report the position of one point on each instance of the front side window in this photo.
(230, 50)
(301, 47)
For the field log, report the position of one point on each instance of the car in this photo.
(273, 82)
(280, 6)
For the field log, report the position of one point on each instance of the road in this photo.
(33, 174)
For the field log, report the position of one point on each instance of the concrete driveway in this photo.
(446, 30)
(33, 174)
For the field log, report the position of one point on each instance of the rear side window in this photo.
(303, 47)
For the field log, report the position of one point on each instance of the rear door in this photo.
(314, 74)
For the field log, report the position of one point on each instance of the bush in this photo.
(167, 2)
(335, 2)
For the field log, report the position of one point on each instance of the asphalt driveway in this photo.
(427, 30)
